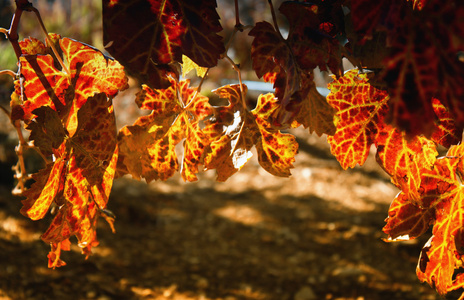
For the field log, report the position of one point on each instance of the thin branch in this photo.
(274, 19)
(49, 41)
(242, 91)
(9, 72)
(197, 91)
(237, 16)
(4, 31)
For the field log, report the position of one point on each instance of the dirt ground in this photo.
(316, 235)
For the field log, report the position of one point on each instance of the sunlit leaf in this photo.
(276, 150)
(148, 147)
(189, 65)
(359, 118)
(405, 160)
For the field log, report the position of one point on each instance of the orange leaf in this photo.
(276, 151)
(406, 220)
(148, 147)
(90, 73)
(312, 109)
(405, 160)
(359, 119)
(49, 183)
(233, 132)
(442, 193)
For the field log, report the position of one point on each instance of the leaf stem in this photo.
(237, 16)
(9, 72)
(274, 19)
(237, 69)
(49, 41)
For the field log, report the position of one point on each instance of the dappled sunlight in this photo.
(13, 228)
(243, 214)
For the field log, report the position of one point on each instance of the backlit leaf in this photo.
(288, 63)
(312, 109)
(407, 220)
(446, 132)
(148, 146)
(276, 150)
(440, 257)
(46, 85)
(405, 160)
(146, 36)
(359, 118)
(234, 131)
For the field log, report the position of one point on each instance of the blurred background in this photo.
(315, 235)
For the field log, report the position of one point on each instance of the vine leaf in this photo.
(276, 150)
(80, 179)
(405, 159)
(189, 65)
(406, 220)
(359, 119)
(446, 132)
(234, 131)
(441, 256)
(441, 205)
(147, 36)
(46, 85)
(148, 146)
(312, 109)
(288, 63)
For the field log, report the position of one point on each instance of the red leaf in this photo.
(359, 119)
(146, 36)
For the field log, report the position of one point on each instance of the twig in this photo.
(9, 72)
(237, 69)
(49, 41)
(274, 19)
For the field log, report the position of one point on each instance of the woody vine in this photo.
(404, 98)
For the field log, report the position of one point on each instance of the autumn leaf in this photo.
(359, 118)
(148, 146)
(440, 257)
(90, 73)
(234, 131)
(288, 63)
(440, 205)
(47, 131)
(146, 36)
(276, 150)
(406, 220)
(189, 65)
(405, 159)
(79, 181)
(312, 110)
(446, 132)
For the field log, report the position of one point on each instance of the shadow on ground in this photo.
(316, 235)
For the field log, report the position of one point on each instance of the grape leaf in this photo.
(234, 131)
(422, 60)
(146, 36)
(406, 221)
(288, 63)
(148, 146)
(46, 130)
(359, 119)
(312, 109)
(90, 73)
(405, 160)
(446, 132)
(80, 179)
(440, 257)
(188, 65)
(276, 150)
